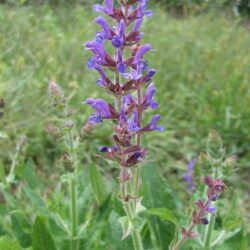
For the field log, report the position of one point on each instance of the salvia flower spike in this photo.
(132, 90)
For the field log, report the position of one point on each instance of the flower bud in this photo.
(66, 162)
(69, 124)
(56, 93)
(228, 164)
(205, 164)
(215, 145)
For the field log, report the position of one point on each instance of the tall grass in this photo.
(203, 77)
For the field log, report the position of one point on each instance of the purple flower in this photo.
(149, 97)
(149, 75)
(142, 9)
(204, 221)
(99, 51)
(137, 25)
(102, 108)
(140, 53)
(152, 126)
(212, 209)
(118, 40)
(133, 123)
(103, 23)
(104, 149)
(188, 176)
(107, 10)
(121, 66)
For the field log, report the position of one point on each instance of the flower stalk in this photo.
(131, 100)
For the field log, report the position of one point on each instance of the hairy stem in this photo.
(179, 244)
(74, 214)
(211, 219)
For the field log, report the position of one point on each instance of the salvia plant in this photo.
(213, 168)
(132, 92)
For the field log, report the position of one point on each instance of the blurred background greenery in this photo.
(203, 61)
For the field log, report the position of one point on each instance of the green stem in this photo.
(211, 219)
(74, 214)
(208, 233)
(137, 240)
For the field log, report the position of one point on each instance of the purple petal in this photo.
(133, 123)
(137, 25)
(95, 118)
(100, 106)
(104, 149)
(117, 41)
(103, 23)
(110, 6)
(98, 8)
(153, 126)
(140, 53)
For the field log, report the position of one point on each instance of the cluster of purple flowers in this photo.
(131, 74)
(214, 189)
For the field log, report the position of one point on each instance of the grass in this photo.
(203, 76)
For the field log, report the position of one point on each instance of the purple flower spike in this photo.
(149, 97)
(103, 23)
(102, 108)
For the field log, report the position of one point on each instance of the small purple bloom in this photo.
(142, 9)
(98, 49)
(188, 176)
(141, 51)
(137, 25)
(118, 40)
(212, 209)
(204, 221)
(121, 66)
(103, 23)
(107, 10)
(153, 124)
(133, 123)
(104, 149)
(102, 108)
(149, 97)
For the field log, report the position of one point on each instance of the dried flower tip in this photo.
(215, 145)
(55, 90)
(69, 124)
(66, 162)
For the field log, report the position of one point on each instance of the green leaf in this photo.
(35, 199)
(157, 195)
(232, 219)
(41, 237)
(2, 174)
(21, 228)
(115, 234)
(126, 225)
(8, 244)
(98, 185)
(163, 214)
(28, 172)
